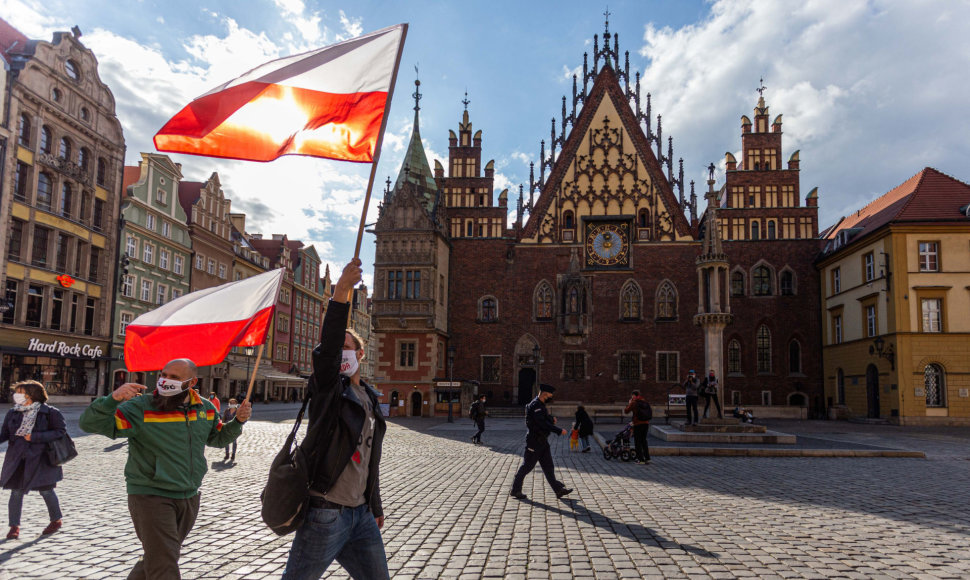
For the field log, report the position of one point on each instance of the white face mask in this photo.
(348, 363)
(169, 387)
(233, 406)
(19, 398)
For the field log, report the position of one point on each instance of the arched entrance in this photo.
(527, 379)
(416, 404)
(872, 391)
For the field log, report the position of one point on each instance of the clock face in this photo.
(607, 244)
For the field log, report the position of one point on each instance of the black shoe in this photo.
(518, 495)
(587, 450)
(563, 492)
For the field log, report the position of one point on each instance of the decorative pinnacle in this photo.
(417, 91)
(761, 90)
(607, 15)
(465, 101)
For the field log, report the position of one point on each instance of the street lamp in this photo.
(537, 358)
(249, 359)
(888, 354)
(451, 378)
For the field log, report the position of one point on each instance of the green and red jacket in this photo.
(166, 449)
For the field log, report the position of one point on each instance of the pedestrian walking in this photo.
(478, 413)
(29, 426)
(345, 514)
(709, 392)
(642, 414)
(691, 388)
(215, 402)
(540, 425)
(228, 415)
(584, 425)
(167, 433)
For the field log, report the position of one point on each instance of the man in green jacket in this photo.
(167, 432)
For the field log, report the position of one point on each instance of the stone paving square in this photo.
(449, 514)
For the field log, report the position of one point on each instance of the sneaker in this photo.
(51, 528)
(563, 492)
(518, 495)
(14, 533)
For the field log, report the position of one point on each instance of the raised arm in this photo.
(326, 356)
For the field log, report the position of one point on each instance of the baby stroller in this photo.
(619, 447)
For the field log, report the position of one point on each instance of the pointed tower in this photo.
(411, 268)
(713, 297)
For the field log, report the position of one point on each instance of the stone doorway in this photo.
(872, 391)
(416, 404)
(527, 379)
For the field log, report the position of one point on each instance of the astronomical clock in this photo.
(607, 244)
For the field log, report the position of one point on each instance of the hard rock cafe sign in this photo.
(65, 280)
(61, 348)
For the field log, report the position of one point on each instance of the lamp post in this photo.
(249, 358)
(451, 378)
(537, 358)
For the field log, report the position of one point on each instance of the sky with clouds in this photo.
(871, 91)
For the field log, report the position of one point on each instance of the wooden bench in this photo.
(676, 407)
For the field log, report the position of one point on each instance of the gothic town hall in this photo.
(614, 275)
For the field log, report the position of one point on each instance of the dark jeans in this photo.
(707, 405)
(481, 429)
(541, 454)
(233, 449)
(162, 523)
(585, 440)
(640, 440)
(16, 504)
(348, 535)
(692, 415)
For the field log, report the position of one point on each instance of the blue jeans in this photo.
(348, 535)
(16, 504)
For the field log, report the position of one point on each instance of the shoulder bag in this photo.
(61, 450)
(287, 492)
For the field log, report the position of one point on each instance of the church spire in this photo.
(414, 167)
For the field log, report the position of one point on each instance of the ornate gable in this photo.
(606, 169)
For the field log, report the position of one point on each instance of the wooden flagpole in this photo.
(252, 379)
(377, 157)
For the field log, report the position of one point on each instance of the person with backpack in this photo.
(642, 414)
(691, 387)
(477, 414)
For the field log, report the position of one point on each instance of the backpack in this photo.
(642, 411)
(473, 411)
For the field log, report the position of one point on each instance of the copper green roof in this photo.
(415, 168)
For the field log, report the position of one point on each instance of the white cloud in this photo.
(351, 27)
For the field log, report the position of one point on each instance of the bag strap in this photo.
(299, 419)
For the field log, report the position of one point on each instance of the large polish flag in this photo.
(328, 102)
(204, 325)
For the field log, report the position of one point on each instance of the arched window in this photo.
(45, 139)
(567, 220)
(734, 356)
(762, 281)
(543, 301)
(666, 301)
(934, 383)
(794, 358)
(488, 309)
(64, 151)
(67, 199)
(787, 284)
(737, 283)
(102, 171)
(755, 230)
(84, 158)
(771, 229)
(840, 387)
(643, 218)
(630, 301)
(44, 191)
(23, 132)
(764, 349)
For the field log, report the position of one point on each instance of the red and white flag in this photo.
(205, 324)
(328, 102)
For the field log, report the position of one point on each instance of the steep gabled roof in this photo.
(606, 84)
(189, 193)
(928, 196)
(12, 41)
(131, 176)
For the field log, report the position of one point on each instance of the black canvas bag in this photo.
(287, 491)
(61, 450)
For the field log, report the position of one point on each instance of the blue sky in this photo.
(871, 91)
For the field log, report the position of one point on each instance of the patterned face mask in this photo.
(348, 363)
(170, 387)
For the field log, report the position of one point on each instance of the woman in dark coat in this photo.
(584, 425)
(28, 426)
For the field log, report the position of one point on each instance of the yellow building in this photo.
(895, 282)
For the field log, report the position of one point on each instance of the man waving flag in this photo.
(329, 102)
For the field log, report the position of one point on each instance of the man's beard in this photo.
(168, 403)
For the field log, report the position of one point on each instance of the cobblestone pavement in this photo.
(449, 514)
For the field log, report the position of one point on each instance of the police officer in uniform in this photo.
(540, 425)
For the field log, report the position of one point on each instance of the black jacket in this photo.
(539, 423)
(336, 416)
(583, 423)
(38, 472)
